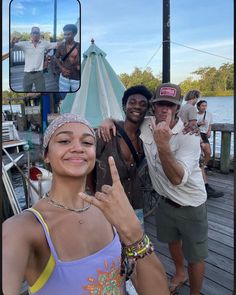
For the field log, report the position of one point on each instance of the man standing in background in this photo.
(187, 112)
(34, 51)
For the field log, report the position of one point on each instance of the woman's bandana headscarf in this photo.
(60, 121)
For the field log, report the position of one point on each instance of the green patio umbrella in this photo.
(101, 90)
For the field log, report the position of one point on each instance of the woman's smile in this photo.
(76, 160)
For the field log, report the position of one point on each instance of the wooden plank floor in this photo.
(219, 274)
(16, 79)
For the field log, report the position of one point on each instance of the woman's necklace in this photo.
(58, 205)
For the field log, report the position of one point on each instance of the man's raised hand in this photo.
(162, 131)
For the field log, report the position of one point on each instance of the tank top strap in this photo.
(46, 231)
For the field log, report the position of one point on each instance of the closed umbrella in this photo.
(101, 90)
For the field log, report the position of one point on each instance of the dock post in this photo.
(225, 152)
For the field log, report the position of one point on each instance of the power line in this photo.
(199, 50)
(152, 56)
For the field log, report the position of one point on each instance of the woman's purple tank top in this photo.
(98, 273)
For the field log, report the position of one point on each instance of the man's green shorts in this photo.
(188, 224)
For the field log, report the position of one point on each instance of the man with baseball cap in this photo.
(173, 163)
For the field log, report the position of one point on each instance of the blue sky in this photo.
(25, 13)
(130, 32)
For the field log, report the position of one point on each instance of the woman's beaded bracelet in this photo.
(139, 249)
(130, 254)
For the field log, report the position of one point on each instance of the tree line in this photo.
(47, 36)
(210, 80)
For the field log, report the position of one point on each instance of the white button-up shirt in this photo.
(34, 56)
(186, 149)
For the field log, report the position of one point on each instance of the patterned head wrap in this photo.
(60, 121)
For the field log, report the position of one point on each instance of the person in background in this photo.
(204, 121)
(34, 51)
(67, 58)
(73, 243)
(188, 112)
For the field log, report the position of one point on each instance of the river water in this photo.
(220, 107)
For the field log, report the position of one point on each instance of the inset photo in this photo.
(45, 46)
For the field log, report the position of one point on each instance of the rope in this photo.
(203, 51)
(152, 56)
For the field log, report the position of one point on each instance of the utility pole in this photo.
(166, 42)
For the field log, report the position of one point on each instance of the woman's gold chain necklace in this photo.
(58, 205)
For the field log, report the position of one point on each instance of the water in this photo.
(221, 108)
(17, 182)
(18, 186)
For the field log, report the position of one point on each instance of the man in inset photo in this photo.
(34, 51)
(68, 60)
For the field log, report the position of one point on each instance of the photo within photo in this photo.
(45, 47)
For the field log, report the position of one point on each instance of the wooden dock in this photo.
(219, 274)
(16, 79)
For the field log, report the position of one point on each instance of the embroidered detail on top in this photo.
(108, 282)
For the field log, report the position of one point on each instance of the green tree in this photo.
(25, 36)
(15, 34)
(46, 35)
(226, 72)
(138, 77)
(188, 84)
(206, 81)
(6, 94)
(125, 79)
(210, 81)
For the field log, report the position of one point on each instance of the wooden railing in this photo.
(17, 58)
(224, 161)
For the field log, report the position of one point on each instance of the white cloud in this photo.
(17, 8)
